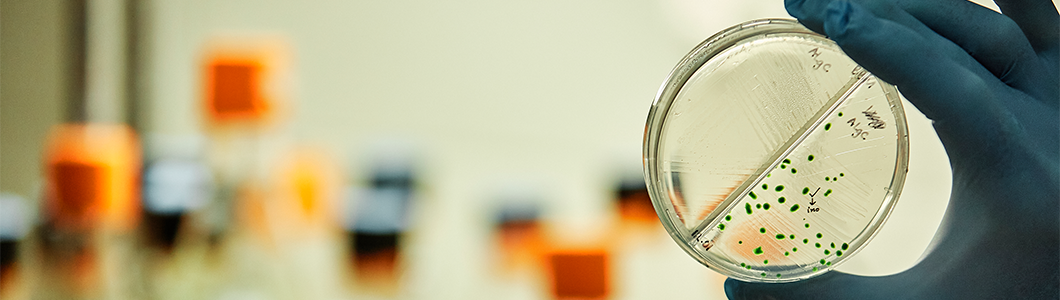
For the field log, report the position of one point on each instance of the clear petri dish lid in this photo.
(770, 155)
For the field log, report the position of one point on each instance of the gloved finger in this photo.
(994, 40)
(831, 285)
(812, 14)
(946, 92)
(965, 32)
(1038, 19)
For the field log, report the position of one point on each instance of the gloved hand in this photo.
(989, 82)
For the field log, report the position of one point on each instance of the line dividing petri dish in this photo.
(771, 156)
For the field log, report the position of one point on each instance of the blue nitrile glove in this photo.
(989, 82)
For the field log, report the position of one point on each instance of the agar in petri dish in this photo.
(770, 155)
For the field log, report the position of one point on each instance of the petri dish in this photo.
(771, 156)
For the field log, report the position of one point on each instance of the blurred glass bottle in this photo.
(518, 229)
(173, 189)
(15, 222)
(91, 206)
(379, 220)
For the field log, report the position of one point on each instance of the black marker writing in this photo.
(818, 63)
(874, 120)
(810, 209)
(858, 132)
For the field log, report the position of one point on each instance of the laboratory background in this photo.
(278, 149)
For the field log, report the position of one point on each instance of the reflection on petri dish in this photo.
(770, 155)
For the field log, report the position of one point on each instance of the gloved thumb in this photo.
(831, 285)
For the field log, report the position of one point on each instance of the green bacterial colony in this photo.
(779, 199)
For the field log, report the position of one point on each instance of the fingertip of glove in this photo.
(732, 288)
(837, 18)
(794, 8)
